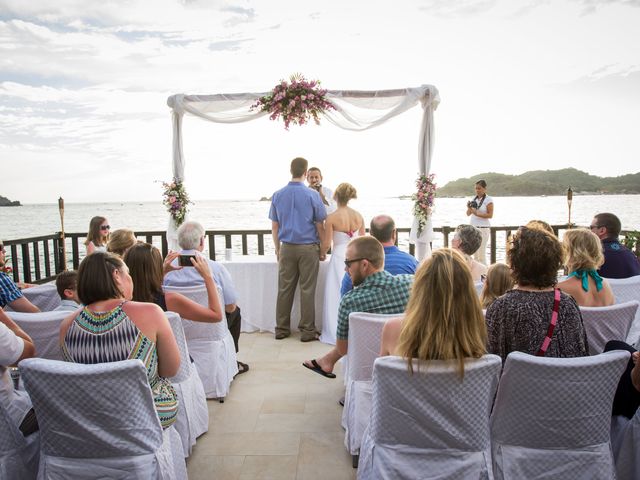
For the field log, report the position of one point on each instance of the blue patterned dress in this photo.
(102, 337)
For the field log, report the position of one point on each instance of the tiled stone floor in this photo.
(280, 420)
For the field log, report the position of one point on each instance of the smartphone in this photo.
(185, 260)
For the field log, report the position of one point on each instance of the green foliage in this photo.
(543, 182)
(631, 241)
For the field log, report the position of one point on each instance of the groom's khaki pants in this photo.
(297, 263)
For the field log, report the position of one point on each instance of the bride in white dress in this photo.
(340, 227)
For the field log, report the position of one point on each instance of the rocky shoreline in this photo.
(5, 202)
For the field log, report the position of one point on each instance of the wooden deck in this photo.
(280, 420)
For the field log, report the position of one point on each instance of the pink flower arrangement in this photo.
(176, 200)
(424, 199)
(296, 102)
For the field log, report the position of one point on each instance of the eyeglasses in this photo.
(105, 227)
(595, 226)
(347, 263)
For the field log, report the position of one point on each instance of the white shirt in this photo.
(67, 305)
(11, 347)
(478, 221)
(328, 194)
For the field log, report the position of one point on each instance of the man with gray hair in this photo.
(191, 236)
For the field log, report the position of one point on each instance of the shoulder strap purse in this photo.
(552, 325)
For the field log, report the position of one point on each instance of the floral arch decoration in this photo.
(380, 105)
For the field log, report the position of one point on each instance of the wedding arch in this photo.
(355, 110)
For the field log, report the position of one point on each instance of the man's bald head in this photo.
(383, 228)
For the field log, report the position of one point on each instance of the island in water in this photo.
(544, 182)
(5, 202)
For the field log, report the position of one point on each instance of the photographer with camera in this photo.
(314, 179)
(481, 210)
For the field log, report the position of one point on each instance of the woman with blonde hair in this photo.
(443, 319)
(496, 283)
(340, 227)
(120, 241)
(98, 235)
(583, 257)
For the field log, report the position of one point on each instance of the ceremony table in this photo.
(256, 281)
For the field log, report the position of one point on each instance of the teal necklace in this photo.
(584, 275)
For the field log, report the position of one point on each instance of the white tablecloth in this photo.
(256, 281)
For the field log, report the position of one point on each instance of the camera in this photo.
(185, 260)
(472, 204)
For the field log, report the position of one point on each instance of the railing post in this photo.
(61, 263)
(445, 235)
(26, 263)
(493, 245)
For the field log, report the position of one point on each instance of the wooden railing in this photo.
(40, 259)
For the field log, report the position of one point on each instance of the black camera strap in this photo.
(481, 200)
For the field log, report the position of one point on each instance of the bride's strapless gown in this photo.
(333, 281)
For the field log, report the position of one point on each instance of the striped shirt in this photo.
(378, 293)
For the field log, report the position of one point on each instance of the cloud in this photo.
(592, 5)
(457, 8)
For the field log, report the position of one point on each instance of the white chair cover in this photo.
(365, 333)
(44, 330)
(607, 323)
(193, 415)
(625, 290)
(552, 416)
(625, 443)
(210, 345)
(430, 424)
(99, 421)
(18, 454)
(44, 296)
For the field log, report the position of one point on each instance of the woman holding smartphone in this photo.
(480, 209)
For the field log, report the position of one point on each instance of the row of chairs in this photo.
(551, 418)
(212, 350)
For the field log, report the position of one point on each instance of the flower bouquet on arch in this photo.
(423, 205)
(297, 101)
(176, 200)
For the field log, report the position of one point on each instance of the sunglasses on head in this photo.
(105, 227)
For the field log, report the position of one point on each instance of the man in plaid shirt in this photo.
(377, 291)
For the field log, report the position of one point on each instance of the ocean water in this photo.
(44, 219)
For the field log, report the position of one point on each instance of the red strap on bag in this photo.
(552, 325)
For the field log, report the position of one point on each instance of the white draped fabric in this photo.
(355, 110)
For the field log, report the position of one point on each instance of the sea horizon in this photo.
(250, 214)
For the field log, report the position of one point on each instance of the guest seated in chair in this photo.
(582, 257)
(10, 293)
(191, 240)
(497, 282)
(125, 329)
(120, 241)
(15, 345)
(377, 291)
(443, 320)
(467, 240)
(619, 261)
(67, 286)
(146, 269)
(535, 317)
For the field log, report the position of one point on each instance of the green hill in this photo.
(543, 182)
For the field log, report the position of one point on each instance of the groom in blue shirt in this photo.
(396, 262)
(297, 224)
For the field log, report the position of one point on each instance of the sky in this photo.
(524, 85)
